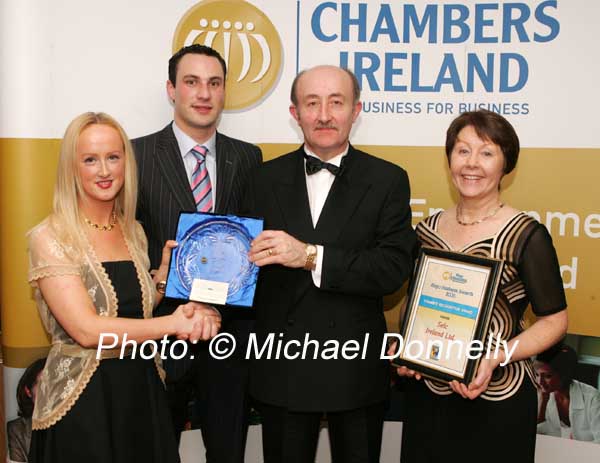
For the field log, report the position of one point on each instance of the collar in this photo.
(186, 143)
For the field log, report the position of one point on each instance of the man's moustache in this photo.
(326, 126)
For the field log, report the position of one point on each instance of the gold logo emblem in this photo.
(247, 40)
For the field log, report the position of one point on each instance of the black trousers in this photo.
(292, 437)
(220, 390)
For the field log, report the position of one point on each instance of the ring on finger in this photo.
(270, 252)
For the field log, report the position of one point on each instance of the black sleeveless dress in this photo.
(122, 416)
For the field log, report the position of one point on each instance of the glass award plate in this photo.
(211, 264)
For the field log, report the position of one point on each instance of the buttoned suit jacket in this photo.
(368, 241)
(164, 191)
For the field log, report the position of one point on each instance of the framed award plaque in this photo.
(448, 312)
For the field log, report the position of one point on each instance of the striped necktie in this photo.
(201, 187)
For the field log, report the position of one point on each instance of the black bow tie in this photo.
(314, 165)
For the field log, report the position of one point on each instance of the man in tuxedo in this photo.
(338, 237)
(189, 166)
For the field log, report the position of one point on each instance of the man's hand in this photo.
(277, 247)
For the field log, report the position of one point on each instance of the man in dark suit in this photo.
(338, 237)
(190, 166)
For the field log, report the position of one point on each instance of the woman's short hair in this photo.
(489, 126)
(26, 383)
(563, 360)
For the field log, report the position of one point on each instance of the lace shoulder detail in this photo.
(48, 256)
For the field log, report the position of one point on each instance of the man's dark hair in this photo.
(355, 86)
(29, 378)
(198, 50)
(489, 126)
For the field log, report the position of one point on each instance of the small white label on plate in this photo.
(211, 292)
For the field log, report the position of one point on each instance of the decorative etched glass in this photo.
(214, 249)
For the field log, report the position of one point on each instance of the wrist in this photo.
(172, 325)
(501, 360)
(160, 274)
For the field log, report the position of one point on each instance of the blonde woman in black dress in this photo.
(89, 268)
(493, 419)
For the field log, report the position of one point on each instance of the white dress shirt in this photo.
(318, 186)
(186, 143)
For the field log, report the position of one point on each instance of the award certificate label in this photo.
(211, 292)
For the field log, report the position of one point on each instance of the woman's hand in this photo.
(402, 371)
(196, 321)
(481, 381)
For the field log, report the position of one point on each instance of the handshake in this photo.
(195, 321)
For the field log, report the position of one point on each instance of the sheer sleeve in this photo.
(540, 272)
(48, 256)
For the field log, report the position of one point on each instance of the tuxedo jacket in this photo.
(368, 242)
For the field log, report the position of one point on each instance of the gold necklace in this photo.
(109, 227)
(475, 222)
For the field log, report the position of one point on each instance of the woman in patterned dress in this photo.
(89, 268)
(492, 419)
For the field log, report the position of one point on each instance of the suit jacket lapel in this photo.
(225, 172)
(347, 192)
(169, 159)
(292, 197)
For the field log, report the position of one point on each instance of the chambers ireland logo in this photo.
(246, 39)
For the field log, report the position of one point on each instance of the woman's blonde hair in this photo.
(68, 191)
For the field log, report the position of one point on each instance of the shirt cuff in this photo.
(316, 273)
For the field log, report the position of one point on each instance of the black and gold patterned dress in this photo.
(500, 425)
